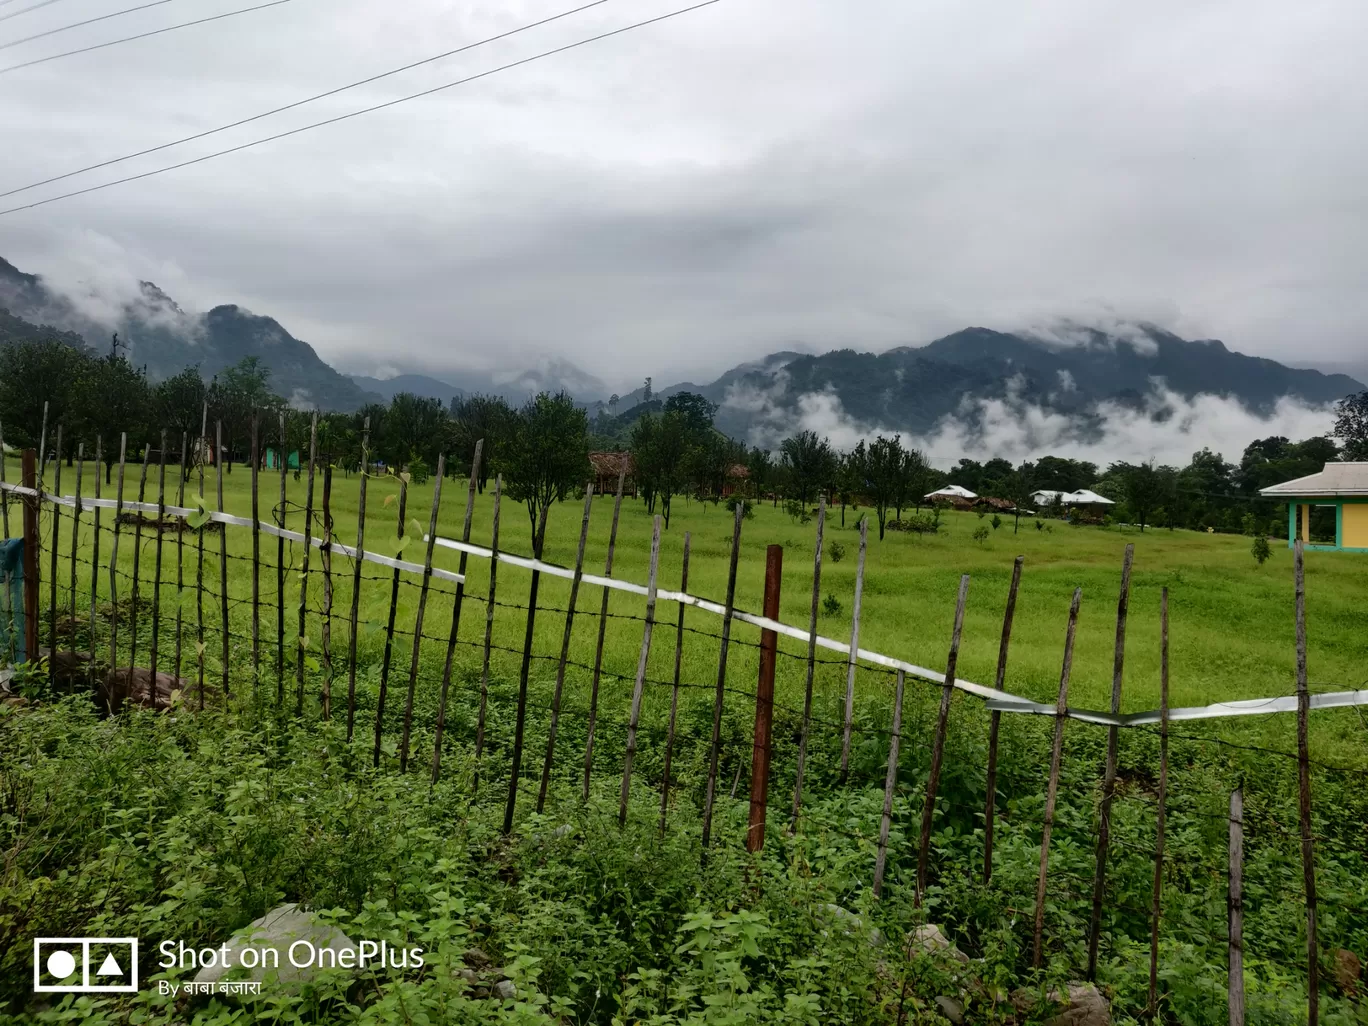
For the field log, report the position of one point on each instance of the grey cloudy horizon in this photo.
(754, 176)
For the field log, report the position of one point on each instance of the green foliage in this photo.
(797, 511)
(547, 454)
(1260, 550)
(747, 507)
(1351, 425)
(810, 462)
(835, 551)
(831, 605)
(996, 521)
(981, 534)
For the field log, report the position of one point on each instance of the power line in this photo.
(140, 35)
(297, 103)
(78, 24)
(367, 110)
(25, 10)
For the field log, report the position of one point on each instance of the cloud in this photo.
(1165, 427)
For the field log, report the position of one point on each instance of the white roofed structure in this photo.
(951, 492)
(1082, 497)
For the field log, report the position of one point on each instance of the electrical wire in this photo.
(25, 10)
(78, 24)
(357, 113)
(125, 39)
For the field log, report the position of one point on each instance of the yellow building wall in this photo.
(1354, 525)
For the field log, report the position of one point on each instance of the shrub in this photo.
(1260, 550)
(747, 507)
(418, 470)
(797, 511)
(1040, 525)
(836, 551)
(996, 521)
(980, 534)
(831, 605)
(982, 513)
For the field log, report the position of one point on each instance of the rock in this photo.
(134, 684)
(477, 958)
(469, 975)
(278, 929)
(1348, 971)
(1083, 1006)
(929, 940)
(951, 1009)
(852, 924)
(504, 990)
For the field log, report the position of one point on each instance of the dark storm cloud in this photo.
(757, 175)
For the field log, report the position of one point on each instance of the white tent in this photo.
(951, 492)
(1082, 497)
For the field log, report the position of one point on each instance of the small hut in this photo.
(1341, 486)
(607, 466)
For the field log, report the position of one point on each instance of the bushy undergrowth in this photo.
(189, 826)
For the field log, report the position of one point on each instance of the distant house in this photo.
(1083, 497)
(951, 492)
(737, 476)
(1343, 486)
(607, 466)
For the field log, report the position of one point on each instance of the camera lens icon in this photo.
(85, 965)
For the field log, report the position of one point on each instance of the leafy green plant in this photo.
(1259, 549)
(981, 534)
(831, 605)
(835, 551)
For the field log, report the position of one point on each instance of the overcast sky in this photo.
(758, 174)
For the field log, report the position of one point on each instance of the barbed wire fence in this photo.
(98, 618)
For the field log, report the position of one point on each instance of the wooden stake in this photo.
(356, 579)
(137, 577)
(565, 648)
(1304, 796)
(94, 557)
(301, 642)
(489, 630)
(282, 459)
(637, 690)
(29, 479)
(389, 630)
(995, 721)
(1052, 792)
(223, 554)
(75, 536)
(422, 610)
(325, 555)
(52, 573)
(180, 554)
(1109, 775)
(674, 694)
(256, 553)
(520, 718)
(114, 562)
(1158, 892)
(890, 783)
(4, 495)
(602, 631)
(1235, 910)
(811, 665)
(854, 649)
(716, 747)
(199, 558)
(455, 614)
(938, 746)
(762, 735)
(157, 564)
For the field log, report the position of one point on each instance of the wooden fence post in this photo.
(762, 736)
(281, 458)
(811, 666)
(157, 562)
(1304, 796)
(114, 562)
(52, 572)
(1109, 775)
(29, 479)
(716, 747)
(357, 563)
(256, 554)
(590, 730)
(137, 577)
(854, 649)
(4, 495)
(890, 783)
(1157, 896)
(1235, 909)
(389, 630)
(301, 641)
(938, 745)
(995, 722)
(180, 552)
(422, 611)
(488, 631)
(455, 615)
(674, 693)
(1052, 792)
(75, 536)
(520, 716)
(635, 716)
(94, 559)
(325, 557)
(565, 648)
(199, 557)
(223, 556)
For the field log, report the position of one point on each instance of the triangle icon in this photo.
(109, 967)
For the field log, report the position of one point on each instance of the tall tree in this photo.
(660, 446)
(481, 416)
(1351, 425)
(180, 401)
(810, 463)
(34, 372)
(760, 465)
(884, 477)
(547, 453)
(850, 474)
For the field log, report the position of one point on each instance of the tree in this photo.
(1019, 492)
(646, 392)
(613, 401)
(243, 390)
(116, 398)
(694, 410)
(481, 416)
(34, 372)
(915, 472)
(546, 455)
(414, 427)
(761, 467)
(850, 475)
(180, 403)
(1351, 425)
(883, 475)
(659, 448)
(810, 463)
(1146, 487)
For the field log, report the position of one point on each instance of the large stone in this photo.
(951, 1008)
(1348, 971)
(278, 929)
(928, 939)
(852, 925)
(136, 685)
(1082, 1006)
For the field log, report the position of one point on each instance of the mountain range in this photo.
(1070, 369)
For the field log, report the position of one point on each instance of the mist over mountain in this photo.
(166, 339)
(514, 386)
